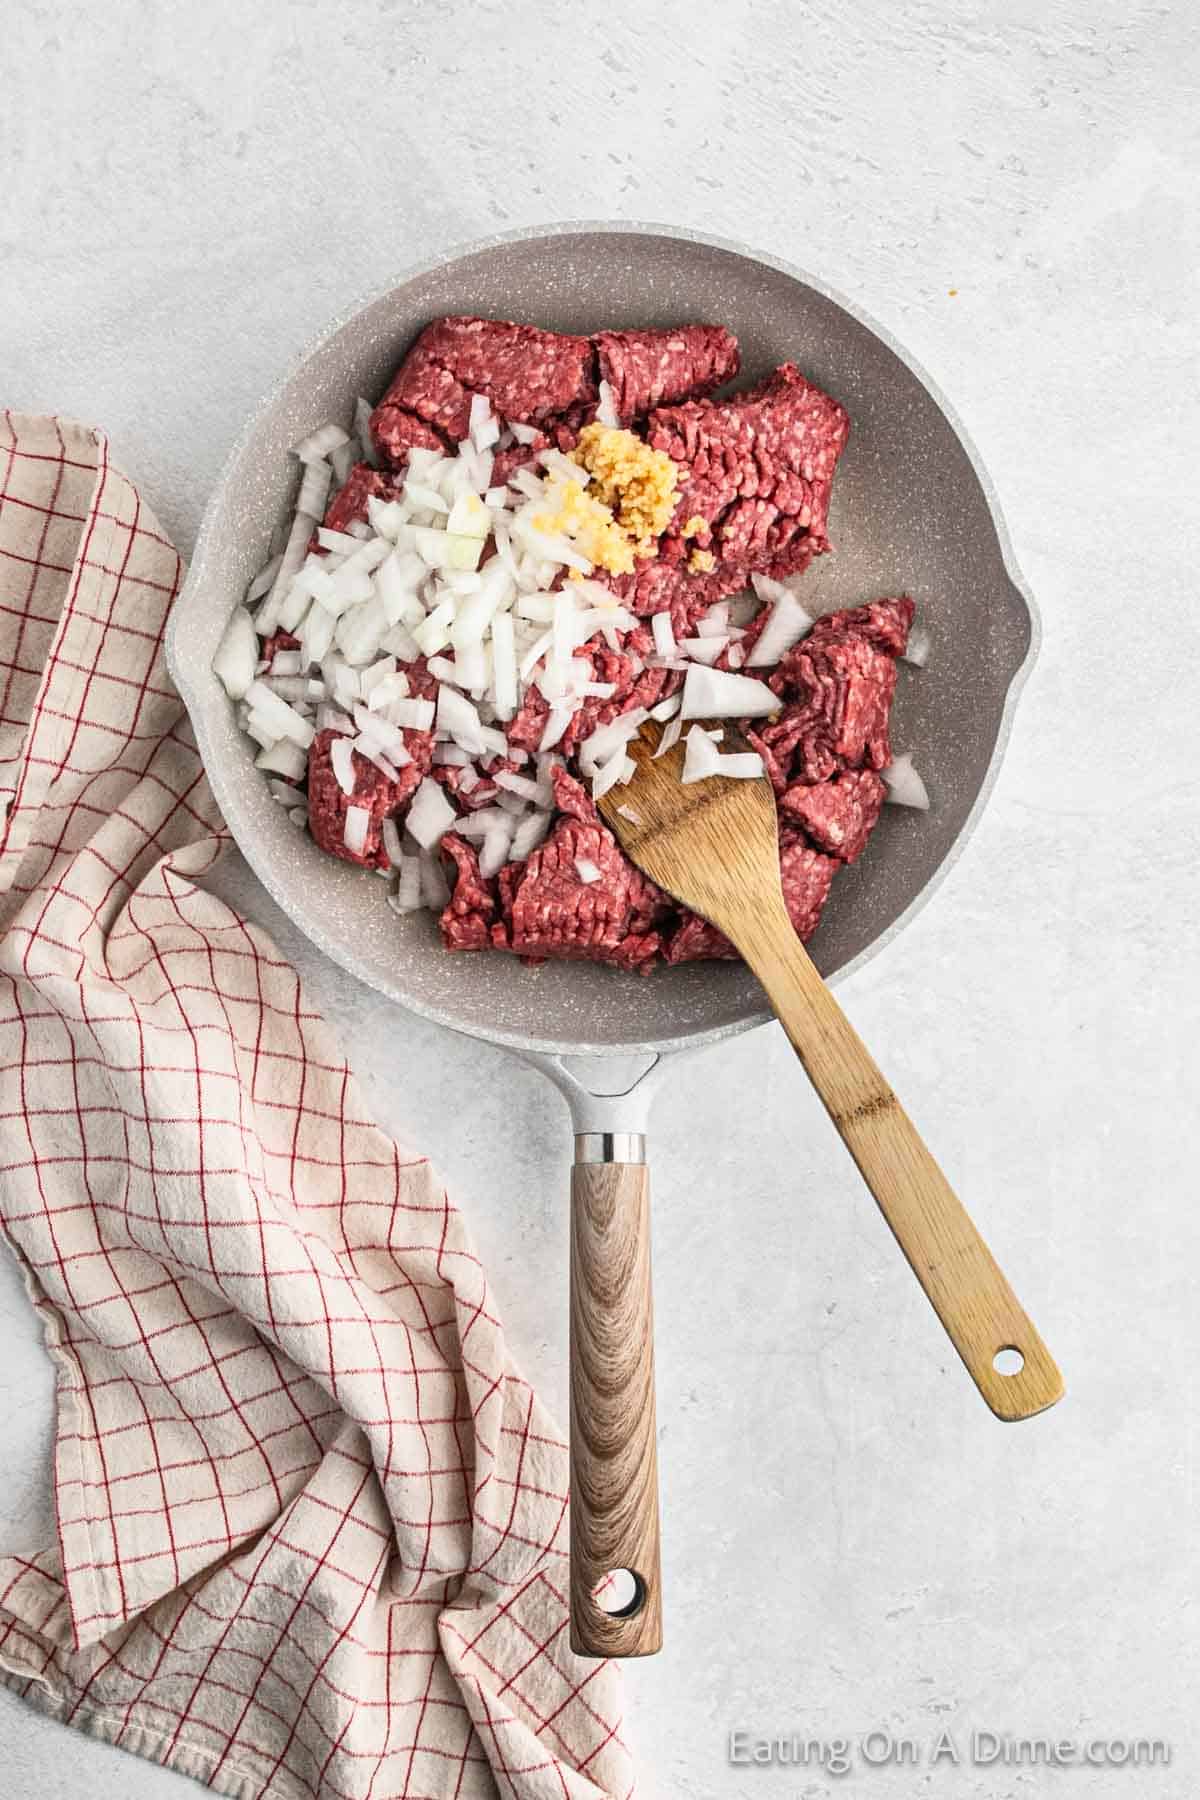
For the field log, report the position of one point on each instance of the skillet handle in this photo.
(614, 1463)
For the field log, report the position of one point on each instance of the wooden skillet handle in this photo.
(949, 1258)
(614, 1464)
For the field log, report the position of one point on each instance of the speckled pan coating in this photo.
(912, 511)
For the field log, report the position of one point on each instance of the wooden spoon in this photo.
(714, 845)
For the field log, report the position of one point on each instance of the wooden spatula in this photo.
(713, 844)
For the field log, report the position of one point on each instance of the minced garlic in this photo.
(635, 484)
(695, 526)
(591, 527)
(701, 561)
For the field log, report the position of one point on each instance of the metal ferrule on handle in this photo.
(610, 1147)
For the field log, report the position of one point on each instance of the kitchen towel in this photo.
(311, 1521)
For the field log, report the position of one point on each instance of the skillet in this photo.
(913, 511)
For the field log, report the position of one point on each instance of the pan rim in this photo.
(341, 954)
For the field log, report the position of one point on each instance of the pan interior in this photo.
(909, 515)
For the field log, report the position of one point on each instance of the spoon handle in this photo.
(960, 1276)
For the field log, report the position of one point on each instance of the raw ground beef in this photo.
(527, 374)
(646, 369)
(542, 378)
(838, 815)
(350, 502)
(395, 431)
(758, 468)
(327, 803)
(839, 689)
(467, 920)
(542, 907)
(756, 471)
(884, 624)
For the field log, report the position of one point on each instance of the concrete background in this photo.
(852, 1542)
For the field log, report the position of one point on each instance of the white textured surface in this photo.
(852, 1542)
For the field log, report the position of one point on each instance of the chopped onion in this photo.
(538, 607)
(619, 768)
(376, 674)
(469, 517)
(787, 624)
(587, 871)
(520, 784)
(524, 434)
(261, 583)
(314, 489)
(360, 632)
(341, 759)
(702, 759)
(528, 835)
(664, 635)
(320, 442)
(556, 727)
(435, 890)
(414, 715)
(459, 718)
(396, 592)
(407, 897)
(534, 654)
(401, 643)
(504, 666)
(627, 812)
(606, 411)
(666, 709)
(284, 758)
(700, 756)
(704, 650)
(444, 550)
(237, 655)
(613, 736)
(431, 815)
(496, 845)
(718, 694)
(290, 564)
(427, 498)
(276, 713)
(391, 843)
(292, 688)
(904, 784)
(919, 644)
(354, 832)
(377, 736)
(434, 634)
(670, 738)
(362, 425)
(340, 542)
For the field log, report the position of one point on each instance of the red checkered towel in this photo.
(311, 1522)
